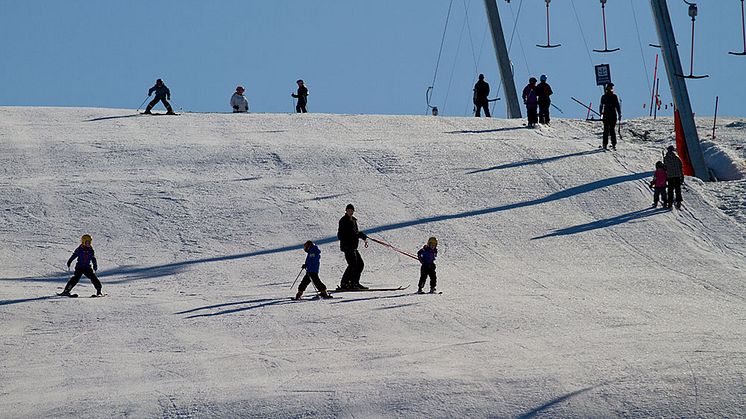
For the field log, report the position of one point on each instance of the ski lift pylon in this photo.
(606, 46)
(549, 44)
(743, 32)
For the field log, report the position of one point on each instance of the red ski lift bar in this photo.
(693, 15)
(606, 46)
(549, 44)
(743, 32)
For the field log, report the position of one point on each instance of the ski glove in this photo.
(235, 107)
(303, 266)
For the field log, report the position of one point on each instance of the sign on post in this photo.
(603, 75)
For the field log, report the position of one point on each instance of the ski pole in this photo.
(143, 102)
(555, 107)
(393, 248)
(296, 278)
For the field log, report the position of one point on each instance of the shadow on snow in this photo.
(533, 162)
(594, 225)
(538, 410)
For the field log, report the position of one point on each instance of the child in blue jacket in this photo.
(427, 256)
(313, 261)
(86, 256)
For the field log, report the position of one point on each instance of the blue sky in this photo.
(356, 56)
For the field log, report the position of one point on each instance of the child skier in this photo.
(85, 255)
(659, 184)
(313, 260)
(427, 256)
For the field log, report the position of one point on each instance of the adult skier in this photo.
(86, 256)
(609, 109)
(302, 97)
(674, 175)
(349, 235)
(162, 94)
(481, 93)
(543, 91)
(239, 103)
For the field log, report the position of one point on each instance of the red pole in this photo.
(714, 122)
(652, 91)
(588, 114)
(657, 85)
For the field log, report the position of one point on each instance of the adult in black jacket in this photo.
(349, 235)
(162, 94)
(609, 110)
(481, 92)
(302, 97)
(543, 91)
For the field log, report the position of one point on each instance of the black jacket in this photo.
(302, 94)
(543, 91)
(348, 233)
(610, 107)
(481, 90)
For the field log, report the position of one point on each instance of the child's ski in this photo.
(68, 295)
(98, 295)
(370, 289)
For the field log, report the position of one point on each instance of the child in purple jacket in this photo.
(427, 256)
(659, 184)
(85, 255)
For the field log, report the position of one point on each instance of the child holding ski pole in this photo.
(313, 261)
(85, 255)
(427, 256)
(659, 184)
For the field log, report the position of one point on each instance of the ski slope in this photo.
(564, 293)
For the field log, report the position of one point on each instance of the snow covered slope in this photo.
(565, 294)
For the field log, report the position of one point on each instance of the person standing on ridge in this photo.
(674, 176)
(529, 99)
(609, 109)
(543, 91)
(349, 236)
(302, 97)
(481, 93)
(239, 103)
(162, 94)
(658, 184)
(85, 255)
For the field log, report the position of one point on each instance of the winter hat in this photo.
(543, 77)
(307, 245)
(671, 148)
(481, 77)
(532, 80)
(350, 206)
(659, 165)
(239, 88)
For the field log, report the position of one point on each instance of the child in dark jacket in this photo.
(659, 184)
(313, 261)
(85, 255)
(427, 256)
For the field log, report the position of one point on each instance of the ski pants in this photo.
(482, 104)
(660, 192)
(544, 113)
(531, 112)
(155, 102)
(425, 271)
(355, 266)
(301, 106)
(307, 278)
(674, 185)
(88, 272)
(609, 131)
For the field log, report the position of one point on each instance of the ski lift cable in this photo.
(453, 67)
(440, 51)
(639, 42)
(582, 34)
(520, 43)
(471, 41)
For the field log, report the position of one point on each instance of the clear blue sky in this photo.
(356, 56)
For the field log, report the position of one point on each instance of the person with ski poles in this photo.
(302, 97)
(349, 235)
(543, 91)
(674, 176)
(239, 103)
(313, 261)
(85, 256)
(529, 99)
(481, 100)
(427, 256)
(609, 109)
(162, 94)
(658, 184)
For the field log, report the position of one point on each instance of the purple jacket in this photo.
(85, 256)
(529, 95)
(426, 255)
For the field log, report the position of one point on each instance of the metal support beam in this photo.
(679, 92)
(503, 60)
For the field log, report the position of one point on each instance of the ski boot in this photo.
(298, 295)
(359, 286)
(432, 290)
(420, 291)
(325, 295)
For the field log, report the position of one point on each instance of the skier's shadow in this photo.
(262, 302)
(25, 300)
(594, 225)
(532, 162)
(103, 118)
(486, 131)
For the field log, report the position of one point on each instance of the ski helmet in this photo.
(159, 81)
(86, 238)
(432, 241)
(543, 77)
(240, 88)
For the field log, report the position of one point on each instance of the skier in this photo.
(481, 92)
(349, 235)
(529, 99)
(609, 109)
(162, 94)
(302, 97)
(675, 176)
(659, 184)
(313, 260)
(239, 103)
(427, 256)
(543, 91)
(85, 255)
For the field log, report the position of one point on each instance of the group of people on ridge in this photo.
(537, 101)
(668, 177)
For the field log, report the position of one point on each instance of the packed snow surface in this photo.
(564, 292)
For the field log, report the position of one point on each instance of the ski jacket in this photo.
(302, 94)
(85, 256)
(673, 165)
(610, 107)
(481, 90)
(240, 102)
(160, 92)
(348, 233)
(543, 91)
(427, 256)
(313, 259)
(529, 95)
(659, 178)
